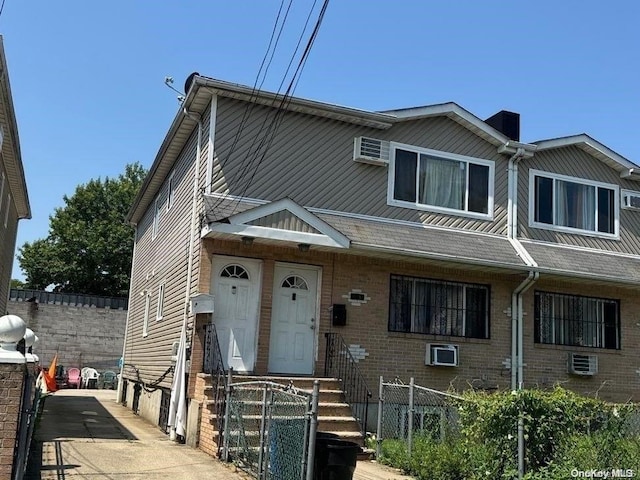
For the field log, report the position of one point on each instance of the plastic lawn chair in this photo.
(73, 378)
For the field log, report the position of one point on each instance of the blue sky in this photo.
(88, 77)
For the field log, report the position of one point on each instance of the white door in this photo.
(293, 320)
(236, 287)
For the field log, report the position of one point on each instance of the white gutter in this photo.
(194, 217)
(129, 308)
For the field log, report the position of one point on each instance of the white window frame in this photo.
(2, 191)
(623, 193)
(445, 156)
(156, 219)
(6, 213)
(147, 309)
(171, 191)
(160, 306)
(560, 228)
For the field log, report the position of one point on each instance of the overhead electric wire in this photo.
(256, 88)
(286, 99)
(2, 7)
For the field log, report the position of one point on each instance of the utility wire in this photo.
(2, 7)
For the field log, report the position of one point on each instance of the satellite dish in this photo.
(189, 81)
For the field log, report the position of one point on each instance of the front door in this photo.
(236, 287)
(293, 320)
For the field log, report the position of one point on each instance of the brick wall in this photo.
(82, 336)
(481, 362)
(11, 379)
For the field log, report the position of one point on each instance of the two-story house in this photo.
(434, 243)
(14, 200)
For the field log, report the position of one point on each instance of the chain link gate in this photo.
(269, 430)
(406, 410)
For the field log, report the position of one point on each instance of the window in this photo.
(235, 271)
(159, 311)
(577, 321)
(441, 182)
(170, 192)
(147, 305)
(435, 307)
(156, 219)
(2, 191)
(6, 213)
(572, 204)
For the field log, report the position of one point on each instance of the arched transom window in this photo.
(235, 271)
(294, 281)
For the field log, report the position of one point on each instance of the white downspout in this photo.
(194, 216)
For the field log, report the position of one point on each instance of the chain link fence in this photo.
(267, 430)
(405, 411)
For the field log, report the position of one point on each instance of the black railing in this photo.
(163, 416)
(214, 366)
(68, 299)
(340, 364)
(30, 408)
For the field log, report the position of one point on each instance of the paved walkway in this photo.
(86, 434)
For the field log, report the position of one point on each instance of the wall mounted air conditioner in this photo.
(580, 364)
(441, 355)
(371, 150)
(630, 200)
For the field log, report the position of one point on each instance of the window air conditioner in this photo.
(442, 355)
(583, 364)
(370, 150)
(631, 200)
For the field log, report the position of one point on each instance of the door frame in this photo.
(316, 335)
(260, 266)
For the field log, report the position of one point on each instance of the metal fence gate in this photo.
(30, 407)
(407, 410)
(270, 430)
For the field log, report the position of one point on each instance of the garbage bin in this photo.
(335, 459)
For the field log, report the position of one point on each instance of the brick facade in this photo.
(482, 363)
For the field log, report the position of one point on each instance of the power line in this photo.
(2, 7)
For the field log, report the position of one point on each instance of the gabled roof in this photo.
(625, 167)
(455, 112)
(282, 220)
(11, 143)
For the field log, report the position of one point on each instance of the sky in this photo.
(88, 78)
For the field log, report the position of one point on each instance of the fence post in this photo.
(262, 436)
(380, 411)
(410, 426)
(313, 429)
(269, 413)
(227, 417)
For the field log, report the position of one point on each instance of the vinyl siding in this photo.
(164, 259)
(310, 160)
(284, 220)
(574, 162)
(7, 248)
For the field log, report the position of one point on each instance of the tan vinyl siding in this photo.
(311, 161)
(164, 260)
(7, 249)
(574, 162)
(285, 221)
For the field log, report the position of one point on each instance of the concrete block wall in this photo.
(82, 336)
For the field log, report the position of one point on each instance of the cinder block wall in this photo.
(82, 336)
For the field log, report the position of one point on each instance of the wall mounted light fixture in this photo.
(304, 247)
(247, 241)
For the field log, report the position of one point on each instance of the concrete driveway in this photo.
(86, 434)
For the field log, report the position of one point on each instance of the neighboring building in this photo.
(83, 330)
(422, 236)
(14, 200)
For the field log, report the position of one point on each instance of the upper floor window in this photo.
(440, 182)
(419, 305)
(577, 321)
(160, 306)
(171, 191)
(156, 219)
(147, 307)
(572, 204)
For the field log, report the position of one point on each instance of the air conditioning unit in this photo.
(174, 351)
(580, 364)
(441, 355)
(372, 151)
(631, 200)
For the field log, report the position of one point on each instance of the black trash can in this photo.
(335, 459)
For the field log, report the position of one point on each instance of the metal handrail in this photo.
(214, 366)
(340, 364)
